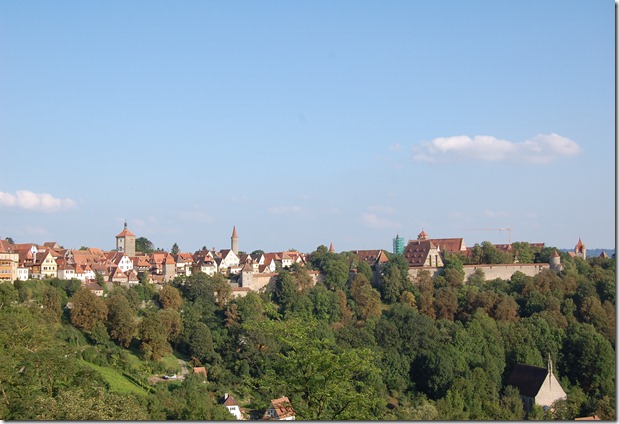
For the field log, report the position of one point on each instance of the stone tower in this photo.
(555, 261)
(125, 242)
(580, 250)
(234, 241)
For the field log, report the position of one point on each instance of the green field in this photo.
(118, 383)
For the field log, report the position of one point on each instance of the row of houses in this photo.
(125, 266)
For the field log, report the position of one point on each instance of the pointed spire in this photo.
(234, 235)
(331, 248)
(549, 370)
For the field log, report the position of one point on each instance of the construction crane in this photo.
(500, 230)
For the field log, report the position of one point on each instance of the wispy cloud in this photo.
(496, 214)
(541, 149)
(281, 210)
(197, 216)
(44, 202)
(372, 220)
(381, 209)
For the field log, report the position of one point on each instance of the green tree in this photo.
(366, 298)
(453, 270)
(336, 271)
(175, 250)
(223, 291)
(121, 319)
(286, 290)
(87, 309)
(588, 360)
(153, 339)
(365, 269)
(322, 381)
(391, 284)
(170, 298)
(172, 323)
(144, 245)
(52, 302)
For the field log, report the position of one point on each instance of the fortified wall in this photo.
(266, 282)
(491, 271)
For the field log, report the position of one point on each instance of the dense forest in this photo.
(362, 344)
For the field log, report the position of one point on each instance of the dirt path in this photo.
(184, 369)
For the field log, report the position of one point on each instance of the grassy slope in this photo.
(118, 383)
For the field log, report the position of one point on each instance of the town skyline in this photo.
(308, 123)
(504, 238)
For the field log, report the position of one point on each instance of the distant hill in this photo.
(592, 253)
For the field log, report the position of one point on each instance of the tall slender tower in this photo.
(234, 244)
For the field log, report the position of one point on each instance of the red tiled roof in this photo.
(416, 252)
(125, 233)
(449, 244)
(227, 400)
(371, 256)
(199, 370)
(282, 407)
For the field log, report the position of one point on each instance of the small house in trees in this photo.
(200, 371)
(232, 405)
(280, 409)
(537, 386)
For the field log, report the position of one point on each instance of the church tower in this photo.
(580, 249)
(125, 242)
(234, 241)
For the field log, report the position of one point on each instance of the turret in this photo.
(555, 261)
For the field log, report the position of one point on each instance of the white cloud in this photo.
(372, 220)
(44, 202)
(541, 149)
(280, 210)
(395, 147)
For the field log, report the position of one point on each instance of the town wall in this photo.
(266, 282)
(491, 271)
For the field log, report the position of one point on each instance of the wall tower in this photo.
(125, 242)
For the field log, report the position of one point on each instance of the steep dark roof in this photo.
(416, 252)
(528, 379)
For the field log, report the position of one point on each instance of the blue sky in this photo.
(307, 122)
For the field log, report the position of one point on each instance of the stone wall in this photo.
(266, 282)
(492, 271)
